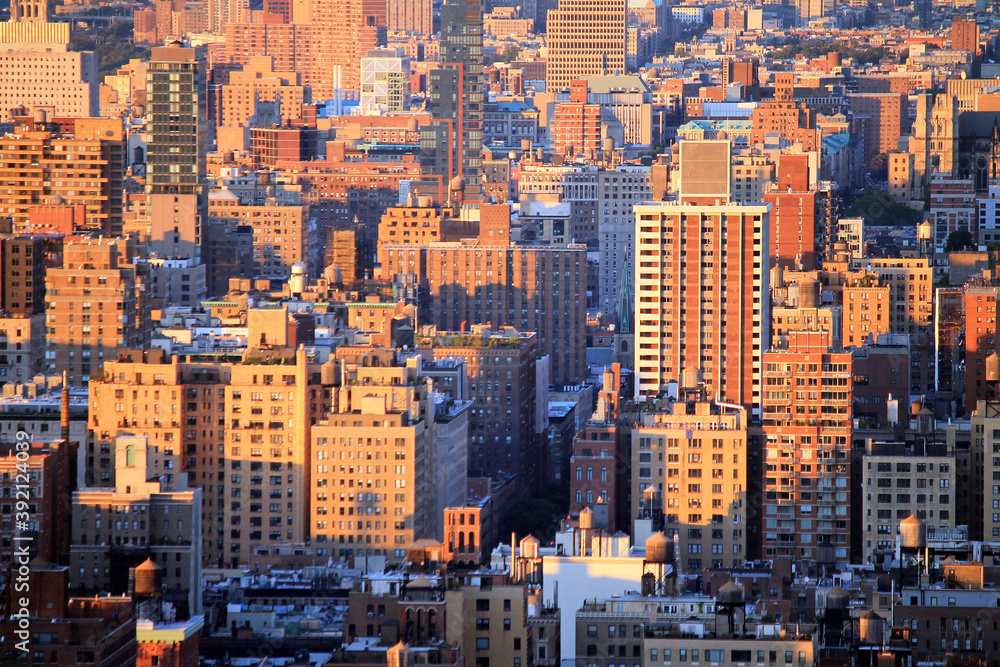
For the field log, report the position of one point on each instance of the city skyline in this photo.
(551, 334)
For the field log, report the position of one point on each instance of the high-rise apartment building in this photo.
(806, 410)
(220, 13)
(493, 625)
(342, 32)
(573, 184)
(141, 517)
(801, 310)
(95, 305)
(176, 140)
(953, 208)
(949, 323)
(48, 466)
(802, 215)
(886, 111)
(376, 465)
(270, 412)
(965, 34)
(899, 482)
(813, 9)
(501, 383)
(385, 81)
(689, 461)
(276, 37)
(177, 407)
(455, 92)
(539, 288)
(283, 235)
(39, 71)
(258, 81)
(597, 473)
(22, 347)
(22, 269)
(911, 303)
(343, 192)
(239, 430)
(702, 296)
(618, 192)
(78, 163)
(580, 128)
(793, 120)
(984, 520)
(752, 173)
(585, 39)
(176, 128)
(900, 176)
(323, 40)
(980, 308)
(411, 16)
(627, 98)
(866, 308)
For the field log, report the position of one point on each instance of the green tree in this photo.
(878, 208)
(538, 515)
(960, 239)
(508, 55)
(113, 46)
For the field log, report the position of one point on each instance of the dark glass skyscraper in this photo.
(176, 113)
(176, 139)
(456, 90)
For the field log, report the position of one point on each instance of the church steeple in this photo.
(29, 11)
(994, 152)
(624, 313)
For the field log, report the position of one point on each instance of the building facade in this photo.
(701, 296)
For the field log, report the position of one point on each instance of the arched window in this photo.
(130, 456)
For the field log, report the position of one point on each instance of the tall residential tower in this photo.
(176, 137)
(456, 91)
(585, 38)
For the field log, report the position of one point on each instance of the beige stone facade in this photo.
(38, 71)
(271, 401)
(178, 407)
(94, 308)
(147, 517)
(376, 463)
(727, 652)
(489, 621)
(22, 347)
(282, 235)
(585, 39)
(696, 461)
(898, 483)
(258, 81)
